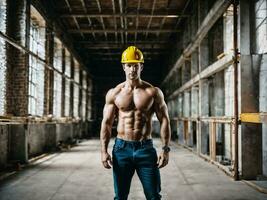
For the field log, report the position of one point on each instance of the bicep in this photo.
(161, 109)
(109, 110)
(109, 113)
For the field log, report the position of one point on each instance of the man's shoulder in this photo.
(112, 92)
(152, 89)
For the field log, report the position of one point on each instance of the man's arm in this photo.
(165, 130)
(109, 113)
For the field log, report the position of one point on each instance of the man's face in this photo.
(132, 70)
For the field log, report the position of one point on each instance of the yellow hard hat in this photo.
(132, 55)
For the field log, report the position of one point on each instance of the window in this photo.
(36, 67)
(76, 89)
(3, 7)
(67, 82)
(261, 26)
(57, 100)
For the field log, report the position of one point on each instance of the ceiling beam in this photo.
(108, 15)
(74, 18)
(119, 53)
(137, 19)
(119, 46)
(88, 18)
(156, 42)
(86, 30)
(101, 18)
(150, 19)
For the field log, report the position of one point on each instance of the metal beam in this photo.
(101, 18)
(121, 18)
(84, 30)
(143, 42)
(137, 19)
(115, 20)
(119, 53)
(117, 15)
(74, 18)
(89, 20)
(150, 19)
(119, 45)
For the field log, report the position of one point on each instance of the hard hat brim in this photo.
(133, 61)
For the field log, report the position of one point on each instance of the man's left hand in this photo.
(163, 159)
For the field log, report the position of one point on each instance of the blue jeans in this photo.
(131, 156)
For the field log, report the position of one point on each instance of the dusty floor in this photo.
(78, 174)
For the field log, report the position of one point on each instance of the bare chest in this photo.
(136, 99)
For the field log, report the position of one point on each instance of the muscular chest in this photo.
(136, 99)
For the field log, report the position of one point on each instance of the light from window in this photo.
(36, 67)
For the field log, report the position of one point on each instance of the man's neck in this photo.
(133, 83)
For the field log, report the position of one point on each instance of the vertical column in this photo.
(219, 111)
(17, 61)
(251, 154)
(204, 107)
(63, 83)
(71, 87)
(51, 135)
(203, 49)
(80, 92)
(203, 62)
(49, 76)
(261, 49)
(186, 68)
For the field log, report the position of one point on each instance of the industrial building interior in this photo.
(58, 58)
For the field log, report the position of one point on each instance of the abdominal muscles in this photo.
(134, 125)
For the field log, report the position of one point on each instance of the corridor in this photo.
(78, 174)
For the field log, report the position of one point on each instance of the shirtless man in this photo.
(134, 102)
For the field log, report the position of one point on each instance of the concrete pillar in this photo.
(17, 69)
(63, 83)
(186, 104)
(194, 102)
(204, 112)
(80, 91)
(71, 87)
(203, 49)
(194, 63)
(219, 94)
(251, 152)
(186, 68)
(219, 107)
(195, 114)
(263, 108)
(228, 81)
(180, 123)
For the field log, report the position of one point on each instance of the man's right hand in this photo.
(106, 160)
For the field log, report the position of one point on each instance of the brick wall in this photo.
(17, 61)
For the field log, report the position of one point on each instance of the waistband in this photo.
(122, 142)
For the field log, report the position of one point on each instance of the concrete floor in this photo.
(78, 174)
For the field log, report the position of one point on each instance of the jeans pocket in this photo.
(118, 147)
